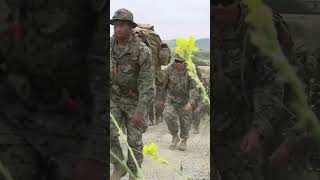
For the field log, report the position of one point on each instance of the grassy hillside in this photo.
(203, 43)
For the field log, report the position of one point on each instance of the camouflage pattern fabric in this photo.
(247, 93)
(52, 106)
(158, 111)
(132, 80)
(179, 89)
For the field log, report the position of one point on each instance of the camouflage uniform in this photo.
(159, 79)
(247, 95)
(179, 89)
(132, 81)
(158, 111)
(52, 106)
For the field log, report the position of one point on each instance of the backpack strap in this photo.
(135, 47)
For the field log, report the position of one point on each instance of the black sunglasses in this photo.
(223, 2)
(177, 61)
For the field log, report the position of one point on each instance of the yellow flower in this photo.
(185, 48)
(151, 151)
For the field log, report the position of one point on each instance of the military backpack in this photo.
(160, 51)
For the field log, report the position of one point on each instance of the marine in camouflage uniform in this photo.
(181, 93)
(159, 79)
(53, 107)
(158, 101)
(132, 87)
(247, 96)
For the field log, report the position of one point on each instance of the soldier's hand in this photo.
(137, 118)
(251, 141)
(280, 157)
(188, 107)
(198, 109)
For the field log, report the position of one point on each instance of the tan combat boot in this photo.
(183, 145)
(118, 172)
(174, 142)
(196, 130)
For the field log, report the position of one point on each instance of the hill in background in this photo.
(203, 43)
(202, 57)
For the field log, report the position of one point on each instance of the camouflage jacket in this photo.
(132, 76)
(178, 87)
(245, 82)
(56, 50)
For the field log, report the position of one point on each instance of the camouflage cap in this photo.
(123, 15)
(178, 58)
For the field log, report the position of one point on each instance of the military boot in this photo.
(196, 130)
(118, 172)
(151, 123)
(174, 142)
(183, 145)
(157, 121)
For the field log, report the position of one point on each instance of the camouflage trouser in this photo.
(151, 113)
(36, 154)
(158, 110)
(158, 113)
(172, 114)
(134, 135)
(196, 116)
(232, 165)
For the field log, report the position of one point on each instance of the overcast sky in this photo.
(171, 18)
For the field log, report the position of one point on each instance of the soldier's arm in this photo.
(165, 83)
(145, 80)
(267, 95)
(193, 92)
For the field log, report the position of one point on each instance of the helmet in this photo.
(177, 57)
(123, 15)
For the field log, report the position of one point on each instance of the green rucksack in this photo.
(160, 51)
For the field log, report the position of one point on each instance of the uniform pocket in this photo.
(126, 68)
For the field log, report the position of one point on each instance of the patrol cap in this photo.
(123, 15)
(177, 57)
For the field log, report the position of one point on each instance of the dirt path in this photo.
(195, 162)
